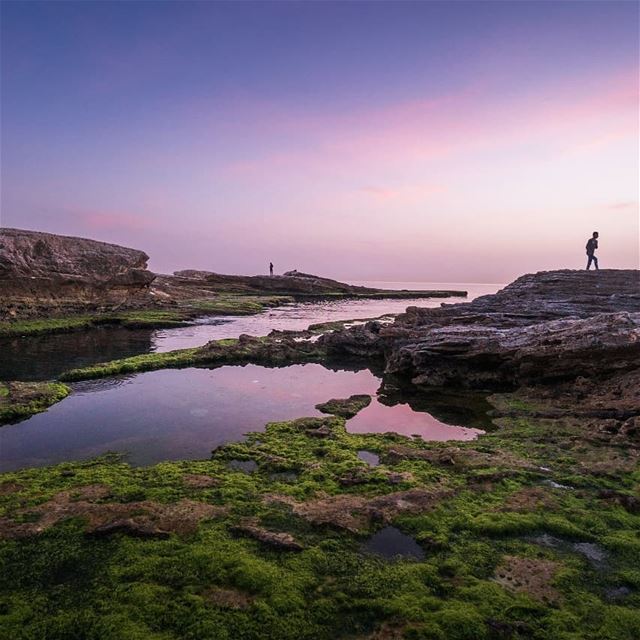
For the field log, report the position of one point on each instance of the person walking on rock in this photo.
(271, 268)
(592, 245)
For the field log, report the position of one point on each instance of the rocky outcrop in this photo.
(43, 272)
(544, 327)
(291, 283)
(544, 352)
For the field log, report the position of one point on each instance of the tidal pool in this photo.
(46, 357)
(178, 414)
(391, 543)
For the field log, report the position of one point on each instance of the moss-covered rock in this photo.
(345, 407)
(19, 400)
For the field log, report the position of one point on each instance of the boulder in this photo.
(43, 272)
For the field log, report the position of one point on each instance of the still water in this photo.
(45, 357)
(184, 414)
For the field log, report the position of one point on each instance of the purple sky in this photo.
(427, 141)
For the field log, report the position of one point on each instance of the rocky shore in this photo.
(543, 327)
(529, 531)
(52, 280)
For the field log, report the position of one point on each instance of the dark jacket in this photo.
(592, 245)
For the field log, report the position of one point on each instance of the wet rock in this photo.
(316, 427)
(41, 272)
(594, 554)
(274, 539)
(480, 356)
(354, 477)
(246, 466)
(345, 407)
(371, 458)
(617, 593)
(458, 457)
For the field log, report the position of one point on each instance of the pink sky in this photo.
(504, 167)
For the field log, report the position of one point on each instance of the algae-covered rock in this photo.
(345, 407)
(19, 400)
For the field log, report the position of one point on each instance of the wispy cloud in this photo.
(113, 220)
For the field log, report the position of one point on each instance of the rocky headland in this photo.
(43, 272)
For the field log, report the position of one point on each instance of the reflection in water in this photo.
(184, 414)
(46, 357)
(401, 418)
(372, 459)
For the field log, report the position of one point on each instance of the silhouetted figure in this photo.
(271, 268)
(592, 245)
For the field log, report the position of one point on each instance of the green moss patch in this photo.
(19, 400)
(265, 557)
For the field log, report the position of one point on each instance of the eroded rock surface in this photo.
(274, 539)
(544, 327)
(40, 272)
(144, 519)
(356, 512)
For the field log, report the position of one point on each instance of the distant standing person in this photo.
(271, 267)
(592, 245)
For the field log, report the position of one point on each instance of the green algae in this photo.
(19, 400)
(134, 364)
(258, 350)
(62, 583)
(345, 407)
(226, 304)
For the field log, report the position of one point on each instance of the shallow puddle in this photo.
(593, 553)
(372, 459)
(179, 414)
(391, 543)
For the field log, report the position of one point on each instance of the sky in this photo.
(416, 141)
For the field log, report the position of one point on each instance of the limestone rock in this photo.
(544, 327)
(40, 272)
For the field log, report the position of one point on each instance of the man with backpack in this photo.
(592, 245)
